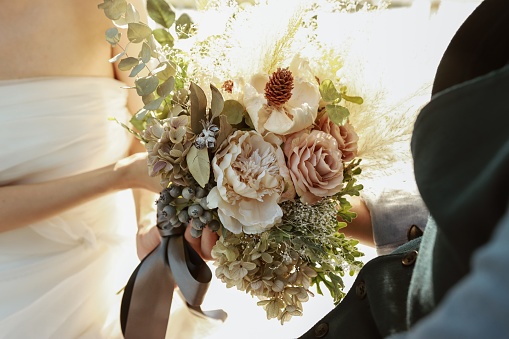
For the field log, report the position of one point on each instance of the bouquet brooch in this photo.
(250, 136)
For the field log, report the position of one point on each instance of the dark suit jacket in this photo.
(461, 158)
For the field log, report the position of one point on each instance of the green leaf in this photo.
(225, 129)
(113, 36)
(138, 120)
(233, 111)
(165, 70)
(154, 105)
(127, 63)
(117, 57)
(113, 9)
(137, 32)
(199, 165)
(161, 12)
(146, 85)
(163, 37)
(137, 69)
(144, 54)
(217, 102)
(355, 100)
(329, 92)
(166, 87)
(184, 26)
(338, 114)
(198, 108)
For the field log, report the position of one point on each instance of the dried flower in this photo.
(315, 165)
(252, 179)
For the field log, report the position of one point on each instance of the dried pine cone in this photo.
(278, 89)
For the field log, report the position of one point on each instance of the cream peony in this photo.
(252, 178)
(295, 114)
(345, 136)
(315, 165)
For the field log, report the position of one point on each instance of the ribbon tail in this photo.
(192, 275)
(147, 298)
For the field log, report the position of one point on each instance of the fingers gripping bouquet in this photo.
(250, 136)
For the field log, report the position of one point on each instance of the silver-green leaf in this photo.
(137, 32)
(127, 63)
(233, 111)
(144, 54)
(146, 85)
(113, 36)
(163, 37)
(161, 12)
(217, 102)
(113, 9)
(184, 26)
(199, 165)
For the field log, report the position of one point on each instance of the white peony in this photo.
(252, 178)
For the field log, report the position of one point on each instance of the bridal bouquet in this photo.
(245, 123)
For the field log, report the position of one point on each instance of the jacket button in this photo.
(321, 330)
(409, 258)
(360, 289)
(414, 232)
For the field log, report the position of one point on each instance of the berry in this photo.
(195, 211)
(188, 193)
(195, 233)
(214, 225)
(175, 191)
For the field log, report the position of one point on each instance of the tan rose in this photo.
(345, 136)
(252, 178)
(315, 164)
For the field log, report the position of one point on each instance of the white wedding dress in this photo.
(59, 277)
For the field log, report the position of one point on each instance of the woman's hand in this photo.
(148, 238)
(135, 173)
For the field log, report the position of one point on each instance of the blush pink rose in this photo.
(315, 165)
(345, 136)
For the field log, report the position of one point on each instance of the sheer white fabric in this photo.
(59, 278)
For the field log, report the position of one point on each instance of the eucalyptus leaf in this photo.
(199, 165)
(198, 108)
(113, 36)
(137, 69)
(117, 57)
(148, 98)
(329, 92)
(154, 105)
(127, 63)
(163, 37)
(166, 87)
(161, 12)
(234, 111)
(113, 9)
(138, 31)
(184, 26)
(217, 102)
(146, 85)
(138, 120)
(144, 53)
(131, 14)
(165, 70)
(338, 114)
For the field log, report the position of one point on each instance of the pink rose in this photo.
(315, 164)
(344, 135)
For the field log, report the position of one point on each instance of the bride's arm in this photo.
(21, 205)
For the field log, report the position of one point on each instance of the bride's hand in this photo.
(148, 238)
(135, 173)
